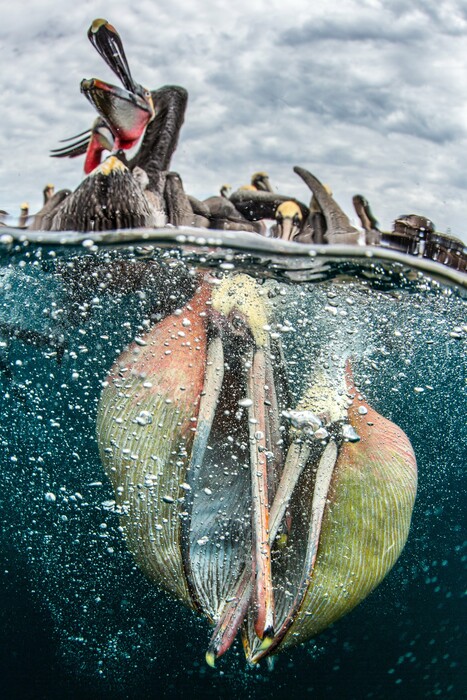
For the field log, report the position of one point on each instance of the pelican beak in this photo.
(125, 112)
(287, 229)
(106, 40)
(289, 220)
(264, 184)
(250, 511)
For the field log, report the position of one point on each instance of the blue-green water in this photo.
(79, 620)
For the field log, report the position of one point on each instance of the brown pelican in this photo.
(126, 112)
(129, 110)
(260, 181)
(44, 217)
(224, 215)
(258, 514)
(368, 221)
(48, 192)
(144, 193)
(255, 205)
(92, 142)
(24, 215)
(290, 223)
(109, 198)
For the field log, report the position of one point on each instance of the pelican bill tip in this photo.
(211, 659)
(267, 640)
(97, 24)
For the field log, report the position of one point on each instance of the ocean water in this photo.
(78, 618)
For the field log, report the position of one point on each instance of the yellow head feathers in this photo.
(289, 210)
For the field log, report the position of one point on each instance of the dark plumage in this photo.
(44, 217)
(107, 199)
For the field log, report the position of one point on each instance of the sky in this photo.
(369, 95)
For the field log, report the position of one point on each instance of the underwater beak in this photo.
(273, 520)
(106, 40)
(237, 317)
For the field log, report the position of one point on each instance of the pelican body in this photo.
(260, 515)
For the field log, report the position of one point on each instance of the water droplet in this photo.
(108, 505)
(245, 403)
(144, 418)
(321, 434)
(349, 433)
(50, 497)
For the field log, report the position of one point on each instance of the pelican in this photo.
(260, 181)
(43, 219)
(291, 224)
(24, 215)
(256, 513)
(92, 142)
(125, 114)
(367, 220)
(48, 192)
(255, 204)
(109, 198)
(224, 215)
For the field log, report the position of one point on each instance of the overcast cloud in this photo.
(370, 96)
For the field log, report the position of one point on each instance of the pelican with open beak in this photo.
(127, 111)
(124, 113)
(273, 518)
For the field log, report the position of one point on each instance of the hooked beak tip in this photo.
(211, 659)
(268, 639)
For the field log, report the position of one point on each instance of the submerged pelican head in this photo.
(262, 515)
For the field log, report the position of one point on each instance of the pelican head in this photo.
(257, 512)
(126, 113)
(289, 220)
(48, 192)
(260, 181)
